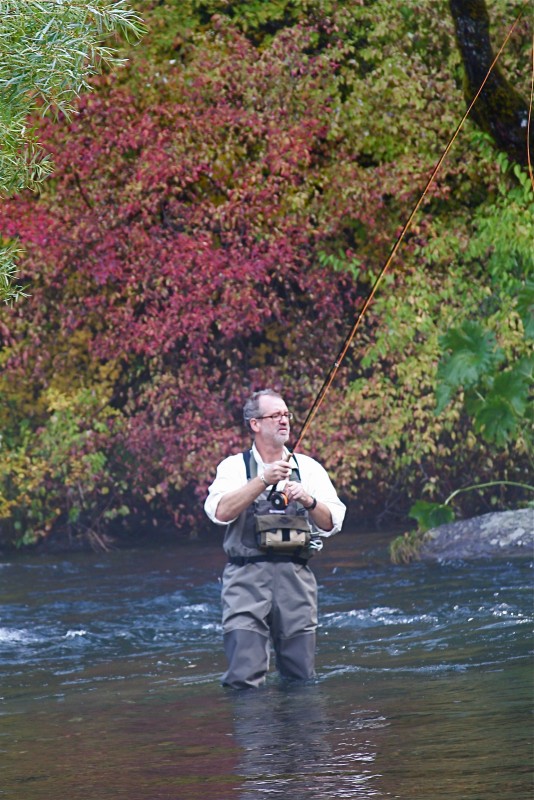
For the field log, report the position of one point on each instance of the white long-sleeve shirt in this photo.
(232, 474)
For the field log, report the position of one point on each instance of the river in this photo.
(110, 667)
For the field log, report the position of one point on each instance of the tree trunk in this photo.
(500, 110)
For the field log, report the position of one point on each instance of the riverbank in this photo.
(504, 533)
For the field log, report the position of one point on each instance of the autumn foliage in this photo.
(211, 227)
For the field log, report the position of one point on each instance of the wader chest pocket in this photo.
(282, 532)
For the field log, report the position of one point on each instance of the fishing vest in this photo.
(277, 529)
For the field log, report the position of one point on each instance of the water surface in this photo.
(110, 666)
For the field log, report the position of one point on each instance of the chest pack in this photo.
(278, 526)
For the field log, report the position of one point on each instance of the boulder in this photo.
(505, 533)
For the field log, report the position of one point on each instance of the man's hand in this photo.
(320, 514)
(294, 491)
(233, 503)
(277, 471)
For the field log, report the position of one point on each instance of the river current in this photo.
(110, 667)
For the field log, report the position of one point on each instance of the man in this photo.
(269, 592)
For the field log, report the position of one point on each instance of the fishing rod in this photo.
(328, 381)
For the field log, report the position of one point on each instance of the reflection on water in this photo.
(291, 745)
(110, 667)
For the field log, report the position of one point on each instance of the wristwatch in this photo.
(314, 503)
(261, 476)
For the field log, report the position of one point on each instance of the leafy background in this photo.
(218, 211)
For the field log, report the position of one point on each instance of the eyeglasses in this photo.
(278, 415)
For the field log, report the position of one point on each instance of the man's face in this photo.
(273, 431)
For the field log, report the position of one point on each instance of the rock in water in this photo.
(505, 533)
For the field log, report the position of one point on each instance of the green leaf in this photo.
(525, 307)
(525, 368)
(498, 415)
(431, 515)
(443, 396)
(74, 514)
(496, 421)
(473, 353)
(513, 387)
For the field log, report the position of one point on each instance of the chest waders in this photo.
(268, 593)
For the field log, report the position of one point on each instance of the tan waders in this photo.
(268, 600)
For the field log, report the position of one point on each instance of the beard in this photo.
(280, 438)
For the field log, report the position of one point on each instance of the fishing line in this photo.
(350, 336)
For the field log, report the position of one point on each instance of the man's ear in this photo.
(254, 425)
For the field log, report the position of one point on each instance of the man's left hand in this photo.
(294, 491)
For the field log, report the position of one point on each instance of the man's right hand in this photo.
(233, 503)
(277, 471)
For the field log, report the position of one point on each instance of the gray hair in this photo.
(251, 409)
